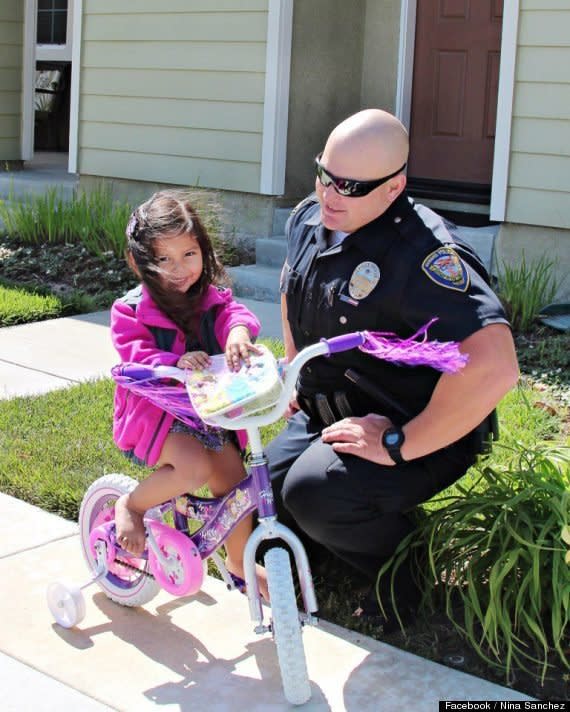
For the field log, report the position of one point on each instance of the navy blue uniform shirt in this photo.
(392, 275)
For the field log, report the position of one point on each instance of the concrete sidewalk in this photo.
(197, 652)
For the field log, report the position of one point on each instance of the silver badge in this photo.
(365, 277)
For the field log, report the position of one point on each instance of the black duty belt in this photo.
(328, 408)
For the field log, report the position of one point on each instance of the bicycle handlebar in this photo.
(143, 373)
(344, 342)
(325, 347)
(414, 351)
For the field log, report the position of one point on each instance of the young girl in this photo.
(178, 316)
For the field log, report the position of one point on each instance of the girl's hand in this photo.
(194, 360)
(238, 347)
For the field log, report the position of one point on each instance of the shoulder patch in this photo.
(444, 267)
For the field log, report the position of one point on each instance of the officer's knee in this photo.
(300, 498)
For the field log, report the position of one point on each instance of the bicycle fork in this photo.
(269, 528)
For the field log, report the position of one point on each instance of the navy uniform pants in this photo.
(356, 509)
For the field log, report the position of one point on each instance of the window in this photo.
(52, 22)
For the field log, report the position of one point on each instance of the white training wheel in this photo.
(66, 603)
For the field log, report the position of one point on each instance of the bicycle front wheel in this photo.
(287, 627)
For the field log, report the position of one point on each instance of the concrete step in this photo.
(482, 240)
(256, 282)
(280, 217)
(271, 251)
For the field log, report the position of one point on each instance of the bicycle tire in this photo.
(131, 583)
(286, 627)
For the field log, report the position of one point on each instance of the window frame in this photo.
(58, 52)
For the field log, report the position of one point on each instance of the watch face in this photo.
(392, 438)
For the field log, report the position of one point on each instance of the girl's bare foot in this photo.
(237, 570)
(129, 527)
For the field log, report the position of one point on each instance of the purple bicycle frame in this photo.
(221, 514)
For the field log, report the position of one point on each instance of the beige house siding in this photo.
(11, 53)
(173, 92)
(539, 172)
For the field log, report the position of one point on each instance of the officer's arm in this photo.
(290, 350)
(461, 401)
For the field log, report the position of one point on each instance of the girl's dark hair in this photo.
(170, 212)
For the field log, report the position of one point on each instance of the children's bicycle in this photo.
(184, 533)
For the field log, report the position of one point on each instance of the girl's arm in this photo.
(133, 341)
(232, 314)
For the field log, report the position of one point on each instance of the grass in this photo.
(23, 304)
(19, 306)
(53, 446)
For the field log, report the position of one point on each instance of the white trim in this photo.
(28, 81)
(276, 99)
(406, 61)
(74, 98)
(499, 181)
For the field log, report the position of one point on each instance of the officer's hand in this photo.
(361, 437)
(293, 406)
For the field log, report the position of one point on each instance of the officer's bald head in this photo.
(371, 143)
(368, 146)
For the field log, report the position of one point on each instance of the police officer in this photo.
(367, 441)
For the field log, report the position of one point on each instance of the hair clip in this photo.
(132, 227)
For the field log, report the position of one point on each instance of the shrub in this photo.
(525, 288)
(91, 218)
(496, 555)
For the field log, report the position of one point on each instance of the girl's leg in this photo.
(228, 471)
(184, 466)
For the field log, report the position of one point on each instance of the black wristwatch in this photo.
(393, 439)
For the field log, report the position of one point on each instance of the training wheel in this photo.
(66, 603)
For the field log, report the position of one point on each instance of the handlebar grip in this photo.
(137, 373)
(344, 342)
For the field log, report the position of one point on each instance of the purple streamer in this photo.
(415, 351)
(171, 398)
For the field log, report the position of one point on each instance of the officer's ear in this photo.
(396, 186)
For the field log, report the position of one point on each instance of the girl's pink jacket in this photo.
(138, 425)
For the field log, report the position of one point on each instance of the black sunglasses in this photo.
(348, 186)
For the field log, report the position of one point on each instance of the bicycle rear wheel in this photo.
(287, 627)
(129, 580)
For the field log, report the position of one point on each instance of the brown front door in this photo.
(454, 95)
